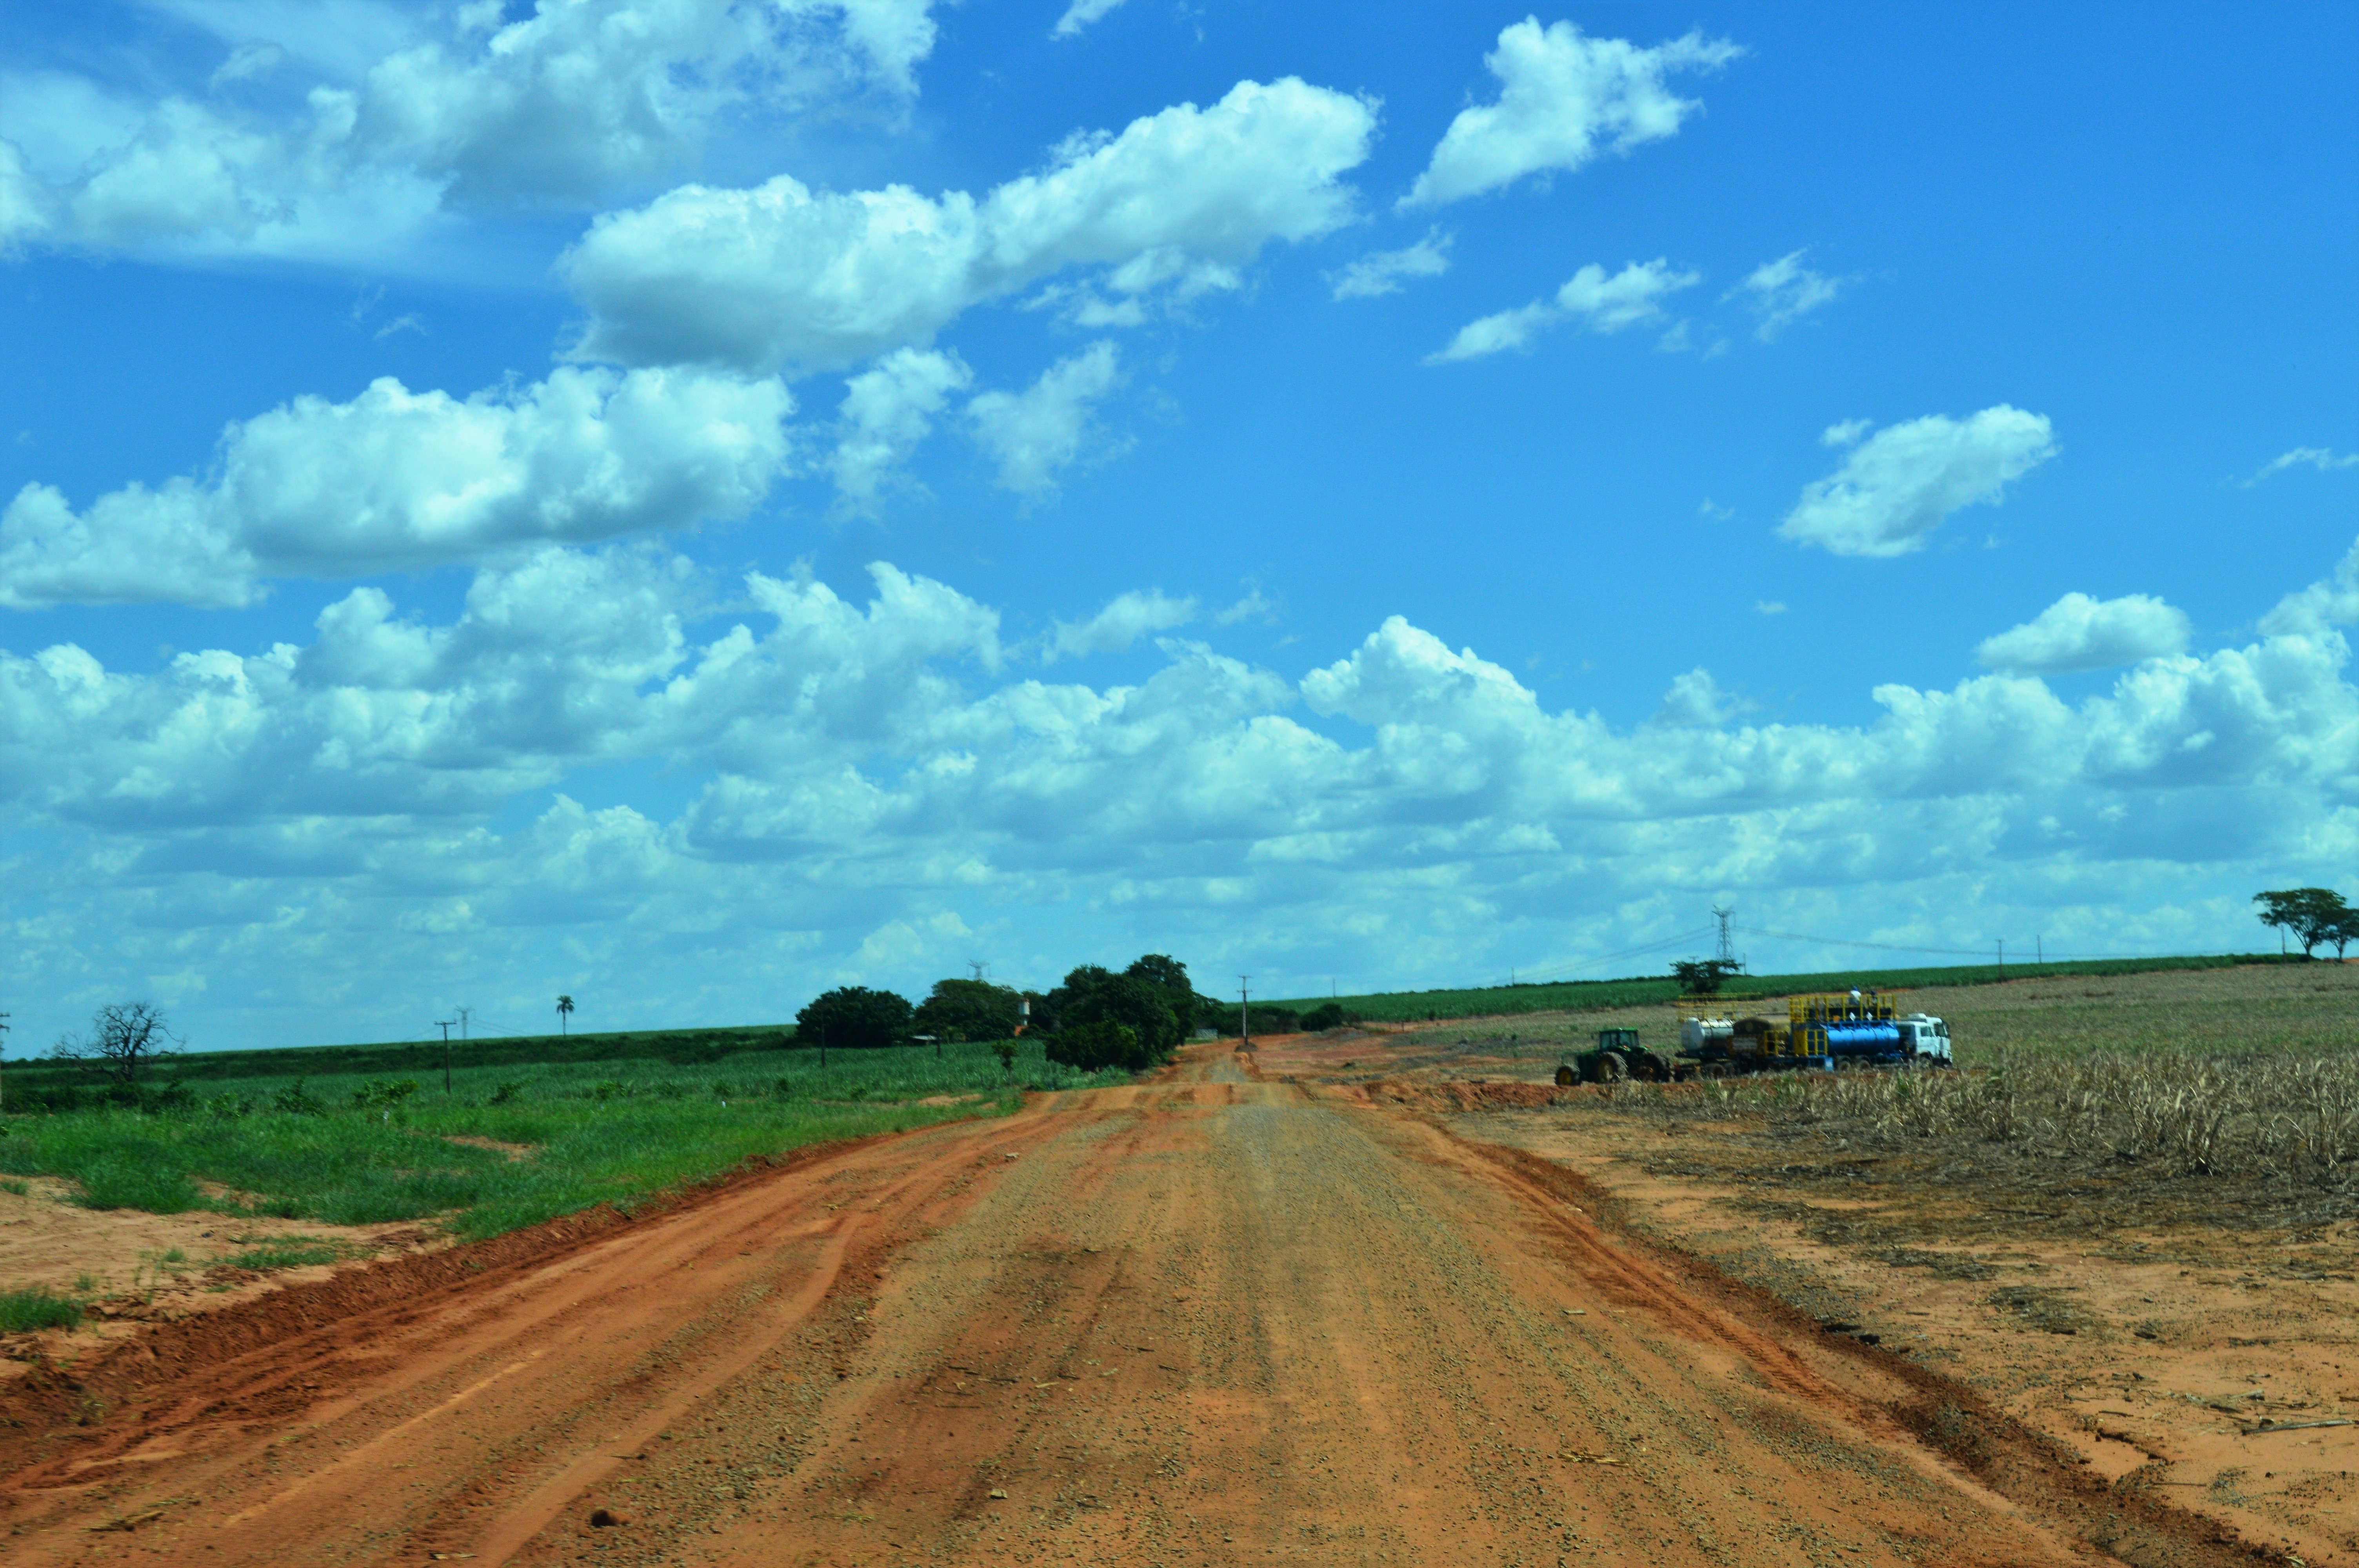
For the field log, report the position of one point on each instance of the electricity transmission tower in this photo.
(1725, 957)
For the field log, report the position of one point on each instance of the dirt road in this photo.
(1209, 1320)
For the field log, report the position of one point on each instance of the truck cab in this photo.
(1925, 1038)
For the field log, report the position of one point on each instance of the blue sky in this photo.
(688, 503)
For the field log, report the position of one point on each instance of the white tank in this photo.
(1695, 1032)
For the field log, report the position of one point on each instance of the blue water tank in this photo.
(1878, 1038)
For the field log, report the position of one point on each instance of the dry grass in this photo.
(2292, 1008)
(2288, 1118)
(2157, 1135)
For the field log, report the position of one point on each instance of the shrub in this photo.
(1093, 1044)
(292, 1254)
(507, 1094)
(383, 1093)
(36, 1307)
(295, 1099)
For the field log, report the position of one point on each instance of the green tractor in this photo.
(1617, 1055)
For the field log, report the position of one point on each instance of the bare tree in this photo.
(124, 1038)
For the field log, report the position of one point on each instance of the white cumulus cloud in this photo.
(887, 411)
(1591, 297)
(781, 275)
(1783, 291)
(395, 478)
(1382, 271)
(1080, 15)
(2324, 460)
(1563, 99)
(866, 763)
(457, 110)
(1125, 620)
(1897, 486)
(1035, 434)
(2078, 632)
(2320, 607)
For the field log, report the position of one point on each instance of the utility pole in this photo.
(2001, 952)
(4, 1051)
(2039, 952)
(1245, 1018)
(444, 1025)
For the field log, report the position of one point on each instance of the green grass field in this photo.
(543, 1139)
(1590, 996)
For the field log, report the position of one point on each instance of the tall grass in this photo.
(344, 1149)
(36, 1307)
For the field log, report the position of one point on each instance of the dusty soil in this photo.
(1217, 1318)
(146, 1267)
(2179, 1357)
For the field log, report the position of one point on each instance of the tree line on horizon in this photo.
(1132, 1018)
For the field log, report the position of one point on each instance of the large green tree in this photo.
(854, 1018)
(1099, 1019)
(1169, 975)
(969, 1010)
(2311, 915)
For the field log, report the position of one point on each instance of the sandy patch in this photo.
(138, 1267)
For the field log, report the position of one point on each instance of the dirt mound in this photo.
(69, 1399)
(1453, 1095)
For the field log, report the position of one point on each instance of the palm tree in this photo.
(564, 1010)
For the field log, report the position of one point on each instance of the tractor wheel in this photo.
(1565, 1076)
(1611, 1067)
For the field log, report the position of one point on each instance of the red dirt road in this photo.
(1209, 1320)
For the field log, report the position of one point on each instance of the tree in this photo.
(970, 1010)
(1702, 977)
(855, 1018)
(1092, 1000)
(564, 1012)
(2341, 931)
(1329, 1015)
(2309, 914)
(1094, 1043)
(123, 1039)
(1169, 975)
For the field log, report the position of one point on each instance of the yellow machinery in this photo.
(1826, 1030)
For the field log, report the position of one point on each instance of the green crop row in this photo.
(507, 1145)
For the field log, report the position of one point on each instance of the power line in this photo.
(1902, 948)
